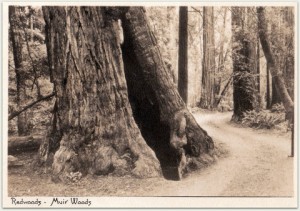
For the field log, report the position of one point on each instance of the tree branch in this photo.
(224, 91)
(16, 113)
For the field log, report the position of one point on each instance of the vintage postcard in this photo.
(149, 104)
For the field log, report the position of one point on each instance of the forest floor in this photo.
(257, 165)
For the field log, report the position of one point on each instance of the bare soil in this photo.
(257, 165)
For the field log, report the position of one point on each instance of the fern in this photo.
(263, 119)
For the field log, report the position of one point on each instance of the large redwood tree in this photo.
(104, 112)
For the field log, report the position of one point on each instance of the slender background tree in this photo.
(183, 54)
(17, 41)
(209, 84)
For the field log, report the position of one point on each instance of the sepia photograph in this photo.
(149, 105)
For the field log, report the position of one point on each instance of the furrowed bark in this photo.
(156, 88)
(98, 133)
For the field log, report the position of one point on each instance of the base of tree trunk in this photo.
(104, 159)
(157, 132)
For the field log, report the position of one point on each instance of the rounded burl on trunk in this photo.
(99, 134)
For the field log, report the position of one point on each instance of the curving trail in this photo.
(257, 164)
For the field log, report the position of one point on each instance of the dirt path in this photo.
(258, 164)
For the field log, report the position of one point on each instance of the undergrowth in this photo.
(266, 119)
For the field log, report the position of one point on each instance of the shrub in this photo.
(278, 108)
(263, 119)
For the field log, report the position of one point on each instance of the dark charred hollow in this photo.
(147, 114)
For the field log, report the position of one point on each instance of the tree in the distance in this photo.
(208, 73)
(17, 48)
(275, 69)
(281, 35)
(244, 62)
(183, 54)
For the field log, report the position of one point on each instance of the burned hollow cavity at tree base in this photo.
(157, 106)
(147, 114)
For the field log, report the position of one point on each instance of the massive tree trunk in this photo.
(243, 55)
(96, 111)
(208, 73)
(17, 47)
(158, 108)
(98, 132)
(183, 54)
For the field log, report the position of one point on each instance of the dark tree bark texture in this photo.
(17, 46)
(183, 54)
(94, 117)
(208, 73)
(275, 94)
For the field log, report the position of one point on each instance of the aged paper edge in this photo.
(147, 202)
